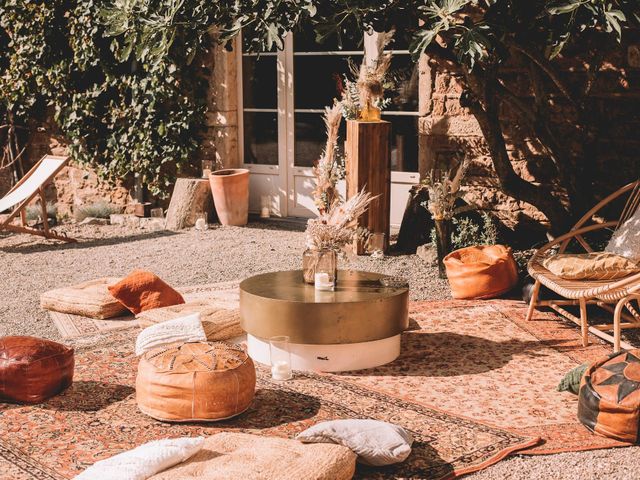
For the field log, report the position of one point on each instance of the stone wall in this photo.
(615, 98)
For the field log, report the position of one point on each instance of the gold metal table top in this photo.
(360, 309)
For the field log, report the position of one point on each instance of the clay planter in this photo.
(230, 189)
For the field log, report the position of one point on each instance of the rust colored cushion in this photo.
(481, 271)
(33, 369)
(609, 398)
(219, 322)
(88, 299)
(590, 266)
(142, 290)
(231, 455)
(201, 381)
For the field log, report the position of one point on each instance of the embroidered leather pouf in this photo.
(481, 271)
(33, 369)
(202, 381)
(609, 398)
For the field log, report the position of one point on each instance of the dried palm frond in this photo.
(371, 79)
(337, 226)
(444, 187)
(329, 168)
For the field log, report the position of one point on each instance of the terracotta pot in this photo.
(230, 189)
(481, 272)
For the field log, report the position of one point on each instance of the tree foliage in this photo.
(475, 38)
(125, 114)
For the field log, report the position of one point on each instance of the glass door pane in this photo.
(319, 71)
(260, 112)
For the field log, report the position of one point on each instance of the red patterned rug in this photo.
(479, 358)
(484, 359)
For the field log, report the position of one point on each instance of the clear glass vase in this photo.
(319, 261)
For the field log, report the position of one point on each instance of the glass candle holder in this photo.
(376, 244)
(207, 168)
(201, 222)
(280, 358)
(326, 270)
(265, 206)
(157, 213)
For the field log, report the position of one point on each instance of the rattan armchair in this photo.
(615, 296)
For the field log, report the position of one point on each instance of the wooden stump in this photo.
(369, 166)
(191, 198)
(417, 223)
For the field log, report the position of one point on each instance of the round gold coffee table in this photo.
(358, 325)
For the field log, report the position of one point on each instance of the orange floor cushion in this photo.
(199, 381)
(88, 299)
(142, 290)
(481, 271)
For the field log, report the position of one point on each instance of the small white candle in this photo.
(265, 213)
(201, 224)
(322, 282)
(281, 370)
(206, 172)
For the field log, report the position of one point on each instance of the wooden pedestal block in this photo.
(368, 165)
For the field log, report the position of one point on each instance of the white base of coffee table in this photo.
(331, 358)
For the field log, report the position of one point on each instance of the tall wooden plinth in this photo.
(368, 166)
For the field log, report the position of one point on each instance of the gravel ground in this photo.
(30, 266)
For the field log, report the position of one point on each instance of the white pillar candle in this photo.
(281, 370)
(322, 282)
(264, 212)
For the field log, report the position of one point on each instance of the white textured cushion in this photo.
(184, 329)
(626, 239)
(376, 443)
(144, 461)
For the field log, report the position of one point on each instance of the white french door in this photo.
(281, 103)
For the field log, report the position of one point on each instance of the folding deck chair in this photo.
(19, 197)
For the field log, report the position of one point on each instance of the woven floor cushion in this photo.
(88, 299)
(33, 369)
(219, 323)
(481, 271)
(201, 381)
(609, 398)
(243, 456)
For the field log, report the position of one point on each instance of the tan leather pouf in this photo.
(483, 271)
(202, 381)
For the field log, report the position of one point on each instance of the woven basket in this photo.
(219, 323)
(202, 381)
(88, 299)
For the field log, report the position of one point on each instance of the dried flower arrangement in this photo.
(337, 227)
(444, 187)
(330, 166)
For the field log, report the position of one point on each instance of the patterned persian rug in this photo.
(75, 326)
(478, 358)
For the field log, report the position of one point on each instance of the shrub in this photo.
(95, 210)
(468, 231)
(34, 212)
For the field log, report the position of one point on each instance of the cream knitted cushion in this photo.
(179, 330)
(219, 322)
(590, 266)
(88, 299)
(144, 461)
(625, 240)
(241, 456)
(376, 443)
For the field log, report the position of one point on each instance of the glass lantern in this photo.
(280, 355)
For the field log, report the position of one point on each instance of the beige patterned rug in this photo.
(75, 326)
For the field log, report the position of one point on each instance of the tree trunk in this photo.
(485, 110)
(443, 244)
(191, 198)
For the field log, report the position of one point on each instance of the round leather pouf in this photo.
(201, 381)
(33, 369)
(609, 397)
(481, 271)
